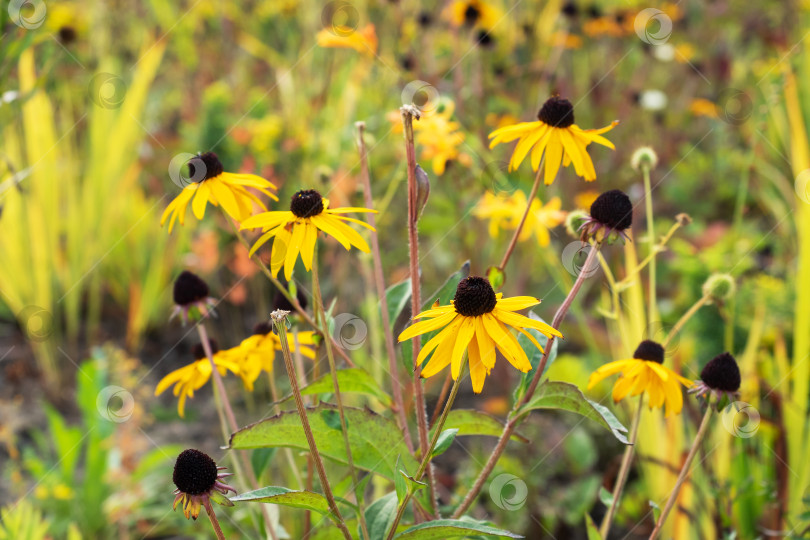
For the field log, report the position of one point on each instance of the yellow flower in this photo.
(472, 13)
(295, 230)
(363, 41)
(476, 321)
(555, 136)
(585, 199)
(219, 188)
(703, 107)
(62, 492)
(506, 211)
(257, 352)
(192, 377)
(645, 373)
(566, 40)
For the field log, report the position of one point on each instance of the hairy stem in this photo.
(279, 318)
(214, 522)
(624, 471)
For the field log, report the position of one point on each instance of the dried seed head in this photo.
(207, 165)
(613, 209)
(474, 297)
(649, 350)
(189, 289)
(195, 472)
(306, 203)
(722, 373)
(557, 112)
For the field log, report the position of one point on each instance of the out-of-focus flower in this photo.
(363, 41)
(296, 230)
(703, 107)
(505, 212)
(555, 136)
(476, 321)
(566, 40)
(472, 14)
(611, 214)
(721, 378)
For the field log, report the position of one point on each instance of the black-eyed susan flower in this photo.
(198, 481)
(363, 41)
(191, 295)
(720, 377)
(476, 321)
(190, 378)
(257, 352)
(472, 14)
(296, 230)
(555, 136)
(211, 184)
(505, 211)
(610, 216)
(645, 373)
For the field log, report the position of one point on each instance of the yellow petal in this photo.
(554, 152)
(429, 325)
(466, 332)
(200, 200)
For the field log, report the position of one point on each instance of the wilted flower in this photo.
(198, 480)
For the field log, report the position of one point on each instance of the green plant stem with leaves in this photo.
(624, 471)
(685, 470)
(407, 113)
(514, 418)
(344, 428)
(424, 465)
(279, 318)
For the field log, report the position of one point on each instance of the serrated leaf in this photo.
(375, 440)
(350, 380)
(534, 354)
(567, 397)
(307, 500)
(452, 528)
(444, 441)
(380, 515)
(472, 422)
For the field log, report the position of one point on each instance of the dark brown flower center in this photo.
(198, 351)
(722, 373)
(204, 166)
(195, 472)
(471, 15)
(650, 351)
(189, 288)
(262, 329)
(474, 297)
(557, 112)
(306, 203)
(613, 209)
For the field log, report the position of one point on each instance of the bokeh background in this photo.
(97, 99)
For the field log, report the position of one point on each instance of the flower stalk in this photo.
(685, 470)
(651, 310)
(529, 199)
(279, 318)
(408, 113)
(514, 419)
(214, 522)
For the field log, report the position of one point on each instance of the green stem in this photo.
(648, 203)
(214, 523)
(685, 317)
(279, 318)
(513, 241)
(316, 289)
(624, 471)
(423, 466)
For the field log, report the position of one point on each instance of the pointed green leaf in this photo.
(380, 515)
(350, 380)
(397, 299)
(444, 441)
(472, 422)
(452, 528)
(307, 500)
(567, 397)
(593, 532)
(375, 440)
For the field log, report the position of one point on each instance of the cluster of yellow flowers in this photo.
(505, 211)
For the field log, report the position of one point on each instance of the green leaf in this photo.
(593, 532)
(605, 496)
(567, 397)
(286, 497)
(534, 354)
(260, 459)
(397, 299)
(375, 440)
(332, 419)
(380, 515)
(400, 484)
(656, 510)
(444, 441)
(452, 528)
(350, 380)
(472, 422)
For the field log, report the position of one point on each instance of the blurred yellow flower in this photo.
(192, 377)
(218, 187)
(62, 492)
(703, 107)
(296, 230)
(645, 373)
(363, 41)
(585, 199)
(472, 13)
(555, 138)
(566, 40)
(505, 212)
(257, 352)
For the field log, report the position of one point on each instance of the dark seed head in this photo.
(306, 203)
(195, 472)
(594, 11)
(471, 15)
(67, 35)
(484, 39)
(613, 209)
(474, 297)
(570, 9)
(557, 112)
(425, 18)
(649, 350)
(198, 352)
(722, 373)
(189, 288)
(204, 166)
(280, 301)
(262, 328)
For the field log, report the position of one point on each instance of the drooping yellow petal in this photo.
(308, 244)
(516, 303)
(520, 321)
(606, 370)
(554, 153)
(429, 325)
(478, 371)
(436, 340)
(466, 331)
(486, 347)
(267, 220)
(200, 200)
(296, 239)
(224, 196)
